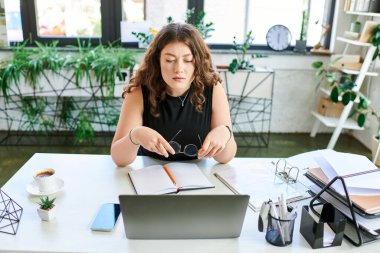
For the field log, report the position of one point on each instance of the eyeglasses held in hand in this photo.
(190, 150)
(286, 171)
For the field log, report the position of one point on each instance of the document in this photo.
(168, 178)
(369, 204)
(260, 182)
(361, 175)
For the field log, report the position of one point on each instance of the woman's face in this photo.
(177, 67)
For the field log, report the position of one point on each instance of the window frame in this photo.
(110, 23)
(111, 15)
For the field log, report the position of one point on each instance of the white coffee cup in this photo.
(45, 180)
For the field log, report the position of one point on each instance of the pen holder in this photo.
(280, 232)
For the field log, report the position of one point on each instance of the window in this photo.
(260, 15)
(67, 21)
(95, 20)
(13, 20)
(69, 18)
(153, 11)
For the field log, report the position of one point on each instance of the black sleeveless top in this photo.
(173, 118)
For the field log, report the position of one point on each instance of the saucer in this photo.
(32, 188)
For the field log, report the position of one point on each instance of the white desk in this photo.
(91, 180)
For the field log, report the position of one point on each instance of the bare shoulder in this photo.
(218, 89)
(135, 94)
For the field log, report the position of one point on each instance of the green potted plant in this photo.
(204, 28)
(99, 66)
(47, 209)
(301, 42)
(242, 59)
(341, 86)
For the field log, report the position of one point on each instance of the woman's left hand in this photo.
(216, 140)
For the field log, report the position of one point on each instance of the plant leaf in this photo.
(334, 95)
(317, 64)
(361, 119)
(346, 98)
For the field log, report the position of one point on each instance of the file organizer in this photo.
(313, 231)
(353, 233)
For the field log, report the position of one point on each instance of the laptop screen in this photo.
(183, 216)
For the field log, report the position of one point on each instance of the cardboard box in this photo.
(351, 62)
(329, 109)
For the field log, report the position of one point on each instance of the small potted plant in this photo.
(301, 42)
(242, 60)
(47, 209)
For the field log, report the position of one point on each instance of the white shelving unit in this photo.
(343, 122)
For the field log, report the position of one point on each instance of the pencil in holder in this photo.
(280, 232)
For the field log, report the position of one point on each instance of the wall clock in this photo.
(279, 37)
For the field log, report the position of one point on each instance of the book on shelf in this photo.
(260, 182)
(168, 178)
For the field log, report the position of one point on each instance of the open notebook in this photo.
(168, 178)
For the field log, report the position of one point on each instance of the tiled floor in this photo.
(280, 145)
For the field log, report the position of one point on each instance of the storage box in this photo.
(351, 62)
(329, 109)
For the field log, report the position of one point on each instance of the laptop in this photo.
(183, 216)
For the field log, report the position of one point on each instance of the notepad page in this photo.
(151, 180)
(188, 175)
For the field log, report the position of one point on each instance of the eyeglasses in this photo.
(190, 150)
(286, 171)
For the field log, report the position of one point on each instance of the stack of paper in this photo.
(362, 177)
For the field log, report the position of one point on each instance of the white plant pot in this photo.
(47, 215)
(375, 143)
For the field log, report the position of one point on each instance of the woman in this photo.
(175, 107)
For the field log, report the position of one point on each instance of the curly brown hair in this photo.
(149, 73)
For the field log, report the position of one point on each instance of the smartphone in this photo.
(106, 218)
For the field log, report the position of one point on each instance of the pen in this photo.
(274, 214)
(170, 175)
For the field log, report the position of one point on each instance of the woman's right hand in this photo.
(151, 140)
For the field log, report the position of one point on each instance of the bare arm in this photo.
(218, 143)
(130, 133)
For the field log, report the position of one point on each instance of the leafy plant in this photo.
(46, 203)
(198, 22)
(84, 131)
(341, 88)
(304, 25)
(102, 64)
(144, 38)
(375, 40)
(242, 61)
